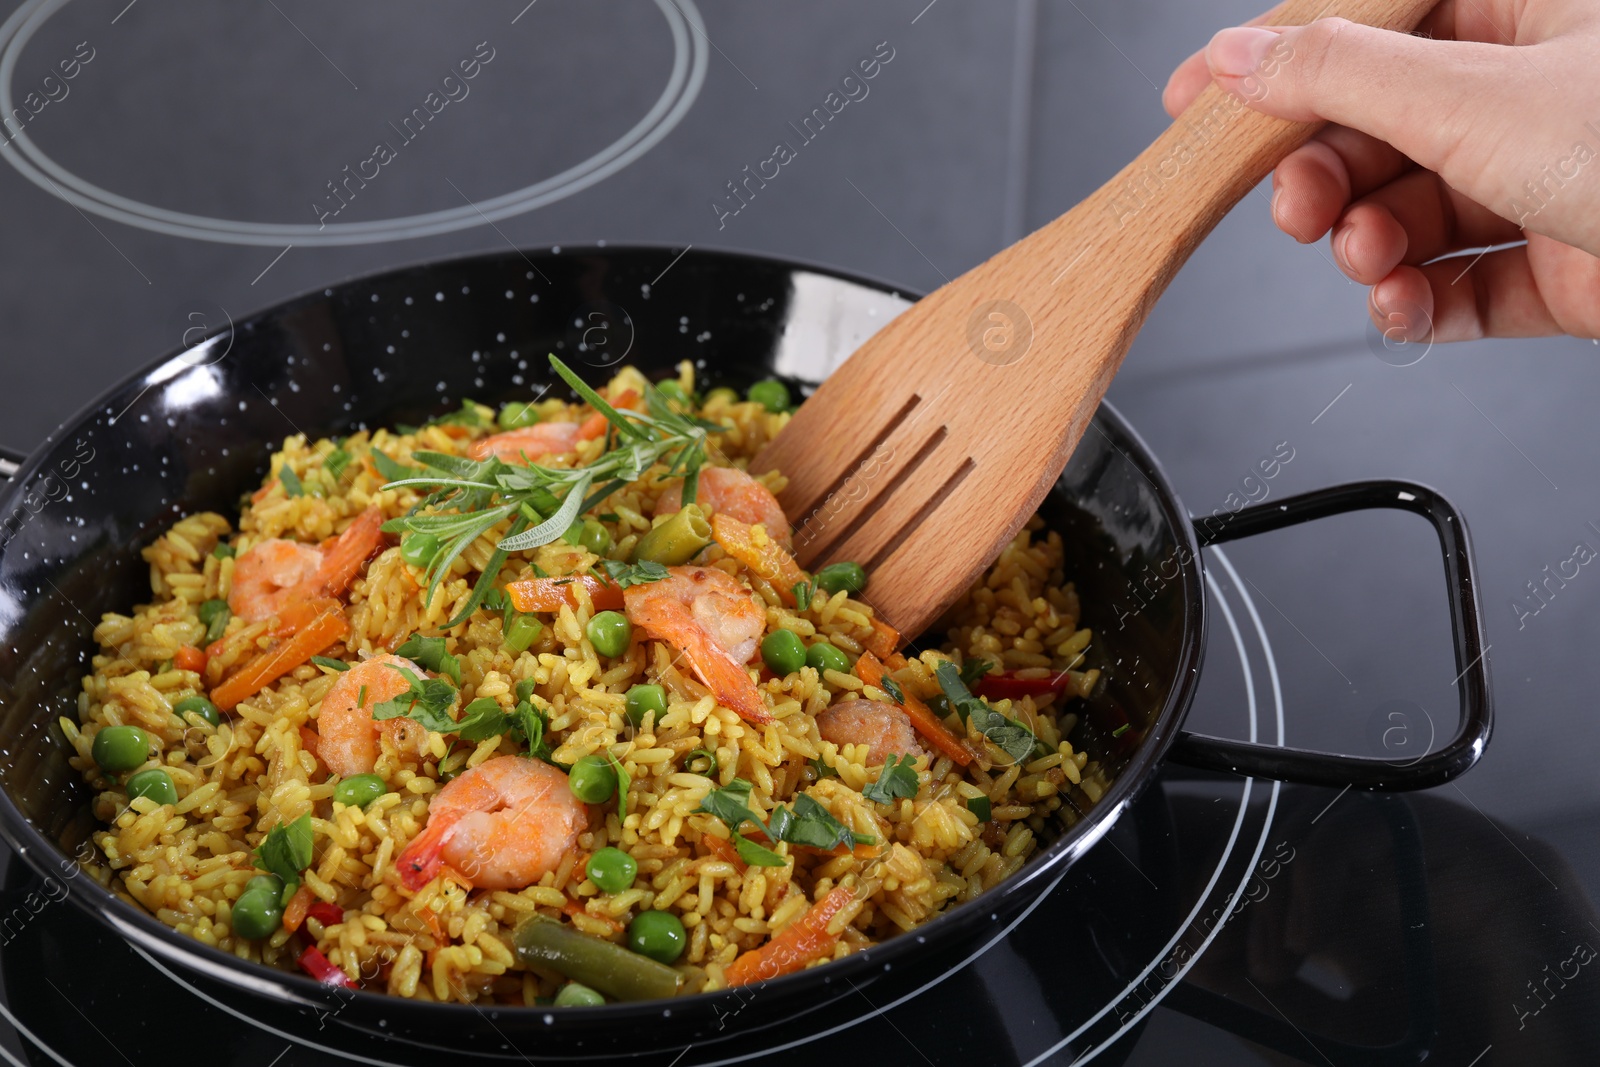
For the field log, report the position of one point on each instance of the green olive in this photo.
(257, 914)
(418, 549)
(359, 790)
(824, 657)
(770, 394)
(836, 576)
(658, 935)
(120, 748)
(642, 699)
(522, 633)
(783, 652)
(517, 416)
(199, 707)
(592, 779)
(610, 632)
(574, 995)
(595, 537)
(153, 783)
(612, 870)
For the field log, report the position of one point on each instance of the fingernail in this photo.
(1277, 199)
(1341, 248)
(1238, 51)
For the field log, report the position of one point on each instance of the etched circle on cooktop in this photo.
(336, 124)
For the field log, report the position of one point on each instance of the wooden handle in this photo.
(1175, 192)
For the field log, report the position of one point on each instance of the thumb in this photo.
(1424, 97)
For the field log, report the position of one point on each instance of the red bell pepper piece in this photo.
(1005, 685)
(319, 967)
(325, 913)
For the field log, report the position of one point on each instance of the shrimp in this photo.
(347, 734)
(714, 621)
(733, 492)
(266, 578)
(883, 727)
(504, 824)
(276, 574)
(528, 444)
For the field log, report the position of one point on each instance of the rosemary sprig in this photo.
(465, 498)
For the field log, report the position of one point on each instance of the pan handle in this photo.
(1466, 625)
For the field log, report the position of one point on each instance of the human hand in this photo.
(1486, 134)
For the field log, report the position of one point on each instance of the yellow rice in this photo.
(186, 863)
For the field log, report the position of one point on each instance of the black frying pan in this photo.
(195, 429)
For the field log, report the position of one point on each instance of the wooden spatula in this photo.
(929, 448)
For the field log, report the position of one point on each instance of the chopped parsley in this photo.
(809, 823)
(890, 686)
(286, 851)
(331, 664)
(897, 780)
(622, 575)
(623, 782)
(428, 702)
(468, 415)
(980, 807)
(1119, 731)
(224, 550)
(802, 594)
(974, 669)
(430, 653)
(481, 720)
(710, 757)
(336, 462)
(823, 770)
(1012, 737)
(391, 470)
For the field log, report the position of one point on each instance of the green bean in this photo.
(601, 965)
(676, 541)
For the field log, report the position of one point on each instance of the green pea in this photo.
(517, 416)
(610, 632)
(837, 576)
(199, 707)
(418, 549)
(522, 633)
(256, 915)
(672, 391)
(824, 657)
(658, 935)
(155, 784)
(770, 394)
(783, 652)
(120, 748)
(592, 779)
(612, 870)
(270, 884)
(642, 699)
(359, 790)
(573, 995)
(595, 537)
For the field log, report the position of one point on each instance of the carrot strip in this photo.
(294, 913)
(885, 639)
(723, 849)
(769, 560)
(802, 941)
(929, 725)
(189, 658)
(273, 664)
(549, 594)
(302, 613)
